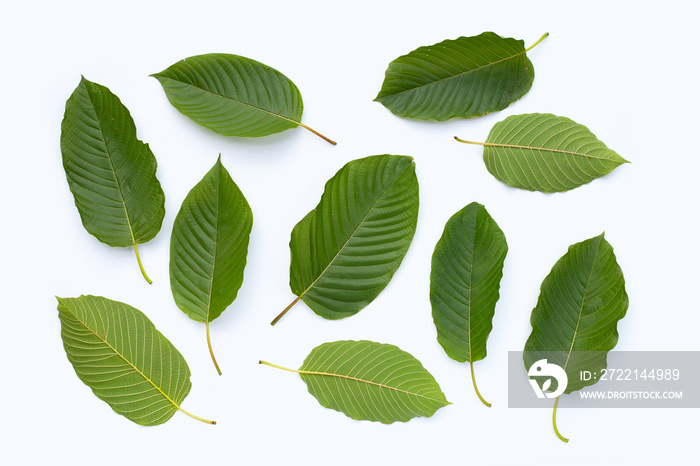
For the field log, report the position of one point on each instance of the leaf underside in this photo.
(547, 153)
(111, 174)
(209, 246)
(117, 352)
(466, 77)
(232, 95)
(345, 251)
(371, 381)
(574, 324)
(467, 267)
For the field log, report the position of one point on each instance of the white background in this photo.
(627, 70)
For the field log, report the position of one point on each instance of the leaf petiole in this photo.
(212, 351)
(277, 367)
(281, 314)
(318, 134)
(470, 142)
(476, 389)
(535, 44)
(206, 421)
(138, 259)
(554, 422)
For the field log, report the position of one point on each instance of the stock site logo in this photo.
(542, 368)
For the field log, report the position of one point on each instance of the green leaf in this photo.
(370, 381)
(574, 324)
(345, 251)
(117, 352)
(547, 153)
(208, 248)
(466, 77)
(233, 95)
(111, 174)
(467, 268)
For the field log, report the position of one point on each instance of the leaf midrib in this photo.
(546, 149)
(136, 369)
(474, 70)
(111, 166)
(371, 209)
(471, 276)
(245, 104)
(369, 382)
(583, 300)
(216, 241)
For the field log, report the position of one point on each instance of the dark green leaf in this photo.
(209, 246)
(111, 174)
(233, 95)
(467, 267)
(574, 324)
(466, 77)
(345, 251)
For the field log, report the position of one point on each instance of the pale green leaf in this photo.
(345, 251)
(547, 153)
(233, 95)
(370, 381)
(574, 323)
(208, 247)
(117, 352)
(462, 78)
(465, 278)
(111, 173)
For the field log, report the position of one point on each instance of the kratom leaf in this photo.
(233, 95)
(574, 324)
(466, 273)
(345, 251)
(209, 246)
(466, 77)
(547, 153)
(117, 352)
(111, 174)
(370, 381)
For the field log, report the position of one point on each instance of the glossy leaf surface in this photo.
(467, 268)
(466, 77)
(547, 153)
(345, 251)
(111, 174)
(117, 352)
(209, 246)
(574, 324)
(371, 381)
(233, 95)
